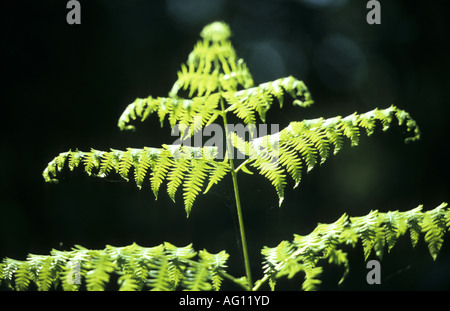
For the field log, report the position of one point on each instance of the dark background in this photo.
(65, 86)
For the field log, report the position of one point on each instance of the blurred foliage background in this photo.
(65, 87)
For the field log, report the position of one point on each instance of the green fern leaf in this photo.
(197, 279)
(7, 269)
(312, 280)
(376, 231)
(219, 170)
(247, 102)
(212, 65)
(190, 166)
(367, 227)
(284, 153)
(46, 274)
(92, 160)
(163, 267)
(100, 268)
(178, 257)
(159, 275)
(125, 164)
(216, 264)
(176, 175)
(128, 283)
(207, 274)
(434, 226)
(159, 172)
(193, 183)
(413, 218)
(110, 162)
(142, 161)
(23, 277)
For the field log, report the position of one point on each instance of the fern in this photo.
(375, 231)
(182, 112)
(212, 72)
(163, 267)
(212, 65)
(307, 143)
(172, 162)
(212, 84)
(99, 269)
(208, 274)
(259, 99)
(294, 150)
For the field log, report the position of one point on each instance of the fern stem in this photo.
(237, 199)
(241, 227)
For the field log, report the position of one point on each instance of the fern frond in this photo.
(434, 224)
(56, 165)
(193, 183)
(92, 160)
(245, 103)
(376, 231)
(212, 65)
(72, 264)
(143, 160)
(368, 228)
(212, 71)
(23, 276)
(176, 175)
(276, 255)
(159, 275)
(45, 274)
(312, 280)
(100, 268)
(217, 172)
(159, 172)
(216, 264)
(190, 166)
(178, 256)
(163, 267)
(414, 218)
(128, 283)
(110, 162)
(309, 142)
(197, 279)
(134, 264)
(8, 267)
(186, 113)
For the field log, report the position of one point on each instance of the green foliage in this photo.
(163, 267)
(166, 267)
(213, 83)
(309, 142)
(213, 74)
(376, 232)
(245, 103)
(178, 164)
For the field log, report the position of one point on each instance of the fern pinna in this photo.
(212, 85)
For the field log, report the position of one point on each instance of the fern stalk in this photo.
(237, 198)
